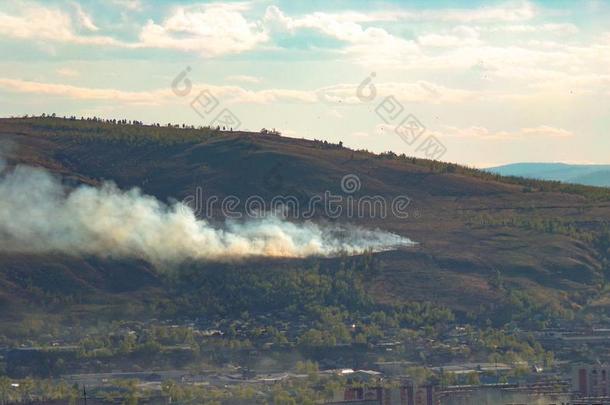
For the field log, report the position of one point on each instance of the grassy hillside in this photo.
(489, 246)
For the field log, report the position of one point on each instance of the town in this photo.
(259, 360)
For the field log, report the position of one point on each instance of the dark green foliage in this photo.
(118, 131)
(231, 289)
(531, 222)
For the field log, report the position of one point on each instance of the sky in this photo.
(488, 83)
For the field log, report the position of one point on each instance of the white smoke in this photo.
(39, 215)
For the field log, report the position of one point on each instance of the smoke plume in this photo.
(40, 215)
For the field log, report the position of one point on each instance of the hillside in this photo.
(591, 175)
(483, 241)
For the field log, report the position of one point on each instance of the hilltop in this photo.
(488, 245)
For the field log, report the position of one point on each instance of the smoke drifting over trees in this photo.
(40, 215)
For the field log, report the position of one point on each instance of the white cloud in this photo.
(516, 11)
(210, 30)
(243, 79)
(563, 28)
(218, 29)
(239, 95)
(459, 48)
(84, 19)
(507, 12)
(67, 72)
(546, 131)
(35, 22)
(86, 93)
(420, 91)
(484, 133)
(371, 44)
(331, 112)
(424, 92)
(131, 5)
(459, 37)
(230, 94)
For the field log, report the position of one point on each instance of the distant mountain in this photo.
(590, 175)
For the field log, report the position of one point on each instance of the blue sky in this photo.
(494, 82)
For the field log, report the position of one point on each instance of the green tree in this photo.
(473, 378)
(5, 386)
